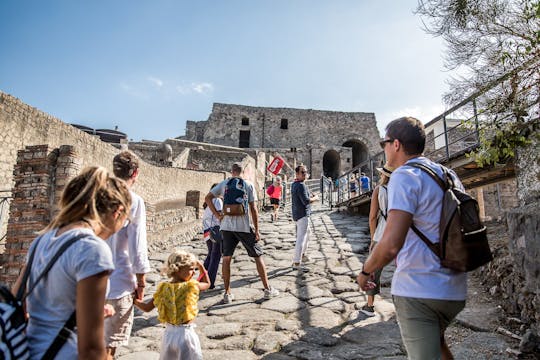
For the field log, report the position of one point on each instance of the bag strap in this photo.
(61, 338)
(22, 288)
(55, 257)
(433, 247)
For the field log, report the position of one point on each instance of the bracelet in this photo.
(364, 273)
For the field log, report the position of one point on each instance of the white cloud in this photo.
(202, 88)
(155, 81)
(199, 88)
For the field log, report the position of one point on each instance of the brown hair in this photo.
(410, 133)
(125, 164)
(204, 205)
(92, 195)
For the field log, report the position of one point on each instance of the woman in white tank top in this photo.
(378, 212)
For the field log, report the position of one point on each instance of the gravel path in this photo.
(316, 315)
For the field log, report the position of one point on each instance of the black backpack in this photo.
(463, 244)
(14, 344)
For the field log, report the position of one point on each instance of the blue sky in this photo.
(148, 66)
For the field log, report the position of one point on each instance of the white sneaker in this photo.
(300, 267)
(228, 298)
(270, 293)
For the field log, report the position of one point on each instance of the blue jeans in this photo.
(211, 263)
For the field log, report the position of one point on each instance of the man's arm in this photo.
(395, 232)
(138, 246)
(255, 218)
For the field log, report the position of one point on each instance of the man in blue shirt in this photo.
(301, 209)
(364, 181)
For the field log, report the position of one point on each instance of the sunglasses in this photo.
(383, 142)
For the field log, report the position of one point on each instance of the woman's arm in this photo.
(89, 307)
(374, 211)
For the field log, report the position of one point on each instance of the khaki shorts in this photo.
(422, 322)
(118, 327)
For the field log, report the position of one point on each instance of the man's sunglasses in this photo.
(383, 142)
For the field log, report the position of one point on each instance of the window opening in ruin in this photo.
(284, 124)
(359, 151)
(245, 121)
(244, 139)
(331, 164)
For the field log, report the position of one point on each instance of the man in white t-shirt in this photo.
(130, 254)
(426, 295)
(237, 228)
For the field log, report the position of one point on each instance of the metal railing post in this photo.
(447, 147)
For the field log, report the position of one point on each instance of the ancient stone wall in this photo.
(528, 170)
(498, 198)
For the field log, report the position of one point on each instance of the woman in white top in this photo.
(94, 205)
(377, 221)
(212, 236)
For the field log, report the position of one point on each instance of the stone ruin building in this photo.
(328, 142)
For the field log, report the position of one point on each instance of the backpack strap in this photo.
(432, 246)
(22, 287)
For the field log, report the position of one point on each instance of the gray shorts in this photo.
(118, 327)
(422, 322)
(232, 238)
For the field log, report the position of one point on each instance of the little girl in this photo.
(176, 302)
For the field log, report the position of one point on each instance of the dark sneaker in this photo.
(368, 310)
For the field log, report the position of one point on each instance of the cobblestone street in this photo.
(316, 315)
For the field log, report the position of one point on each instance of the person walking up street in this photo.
(274, 191)
(364, 183)
(130, 254)
(426, 295)
(378, 213)
(212, 236)
(239, 204)
(301, 210)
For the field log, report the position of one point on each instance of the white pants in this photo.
(180, 342)
(302, 238)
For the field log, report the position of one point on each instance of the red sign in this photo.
(275, 166)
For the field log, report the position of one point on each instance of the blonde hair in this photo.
(383, 180)
(92, 195)
(178, 260)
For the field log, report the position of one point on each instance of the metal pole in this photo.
(446, 138)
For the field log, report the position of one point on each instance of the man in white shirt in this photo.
(426, 295)
(130, 255)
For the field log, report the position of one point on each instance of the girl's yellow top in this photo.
(177, 302)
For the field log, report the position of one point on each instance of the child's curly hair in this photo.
(177, 260)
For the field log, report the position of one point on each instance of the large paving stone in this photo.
(310, 292)
(222, 330)
(255, 315)
(331, 303)
(234, 307)
(284, 304)
(319, 336)
(481, 346)
(269, 341)
(320, 317)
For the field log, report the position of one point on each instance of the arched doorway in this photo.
(359, 151)
(331, 164)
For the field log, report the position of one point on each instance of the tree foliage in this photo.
(495, 47)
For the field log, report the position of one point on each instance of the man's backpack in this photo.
(235, 197)
(463, 244)
(14, 344)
